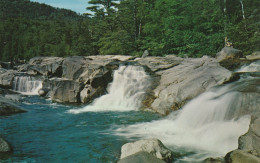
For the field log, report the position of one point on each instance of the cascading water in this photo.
(201, 127)
(27, 85)
(125, 93)
(252, 67)
(209, 125)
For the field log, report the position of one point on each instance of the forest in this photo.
(128, 27)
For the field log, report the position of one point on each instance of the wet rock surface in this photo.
(80, 79)
(176, 80)
(63, 90)
(6, 78)
(249, 144)
(152, 146)
(186, 79)
(8, 107)
(141, 157)
(83, 79)
(4, 146)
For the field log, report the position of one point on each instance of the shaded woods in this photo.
(181, 27)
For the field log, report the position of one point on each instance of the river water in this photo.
(48, 133)
(52, 132)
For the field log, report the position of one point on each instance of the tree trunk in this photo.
(135, 19)
(225, 20)
(242, 8)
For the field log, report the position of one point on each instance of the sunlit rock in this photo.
(8, 107)
(240, 156)
(229, 57)
(152, 146)
(184, 81)
(229, 53)
(141, 157)
(50, 66)
(254, 56)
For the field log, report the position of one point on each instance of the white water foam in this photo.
(253, 67)
(202, 126)
(125, 93)
(27, 85)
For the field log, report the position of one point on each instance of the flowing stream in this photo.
(252, 67)
(125, 93)
(203, 127)
(207, 126)
(27, 85)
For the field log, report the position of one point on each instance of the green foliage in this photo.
(33, 10)
(34, 29)
(24, 39)
(180, 27)
(116, 43)
(246, 33)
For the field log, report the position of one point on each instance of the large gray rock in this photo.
(229, 58)
(254, 56)
(88, 75)
(6, 78)
(48, 66)
(74, 67)
(249, 144)
(81, 68)
(251, 140)
(88, 94)
(152, 146)
(100, 78)
(240, 156)
(95, 84)
(62, 90)
(159, 63)
(229, 53)
(186, 80)
(8, 107)
(4, 146)
(247, 101)
(84, 90)
(106, 59)
(10, 95)
(141, 157)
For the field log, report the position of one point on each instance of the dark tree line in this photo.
(128, 27)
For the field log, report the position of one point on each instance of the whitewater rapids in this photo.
(27, 85)
(125, 93)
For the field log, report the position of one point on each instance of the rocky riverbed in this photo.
(82, 79)
(174, 82)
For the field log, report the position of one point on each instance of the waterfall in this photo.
(125, 93)
(27, 85)
(252, 67)
(207, 126)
